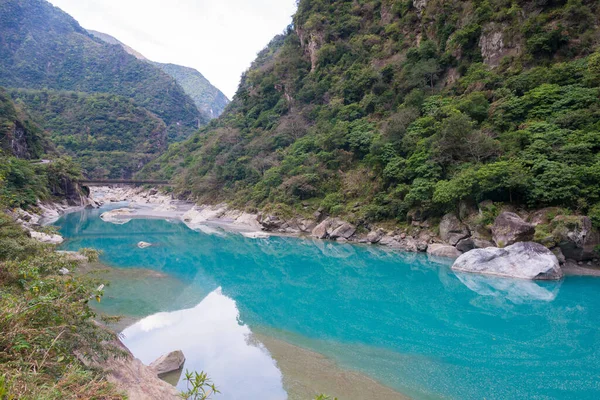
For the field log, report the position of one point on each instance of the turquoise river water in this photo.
(404, 320)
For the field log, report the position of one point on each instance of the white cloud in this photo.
(219, 38)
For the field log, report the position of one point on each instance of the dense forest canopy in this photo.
(380, 109)
(110, 135)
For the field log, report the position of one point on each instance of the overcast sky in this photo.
(219, 38)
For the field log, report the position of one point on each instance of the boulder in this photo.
(443, 250)
(576, 238)
(320, 231)
(345, 231)
(482, 243)
(559, 255)
(526, 260)
(465, 245)
(509, 228)
(46, 238)
(168, 362)
(452, 230)
(375, 236)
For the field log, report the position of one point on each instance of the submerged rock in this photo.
(143, 245)
(443, 250)
(509, 228)
(168, 362)
(526, 260)
(118, 216)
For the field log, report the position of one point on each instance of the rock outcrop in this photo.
(509, 228)
(452, 230)
(168, 363)
(443, 250)
(526, 260)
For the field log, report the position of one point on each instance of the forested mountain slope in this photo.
(210, 101)
(41, 47)
(18, 135)
(380, 109)
(110, 136)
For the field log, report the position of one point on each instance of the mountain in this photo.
(41, 47)
(111, 40)
(111, 136)
(19, 136)
(210, 101)
(381, 110)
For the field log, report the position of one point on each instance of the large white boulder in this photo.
(526, 260)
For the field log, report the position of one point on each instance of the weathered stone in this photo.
(63, 271)
(509, 228)
(576, 238)
(46, 238)
(168, 362)
(375, 236)
(482, 243)
(452, 230)
(271, 222)
(320, 231)
(346, 231)
(559, 255)
(465, 245)
(526, 260)
(544, 215)
(443, 250)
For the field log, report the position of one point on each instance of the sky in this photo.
(219, 38)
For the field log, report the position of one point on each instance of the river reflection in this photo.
(214, 340)
(403, 319)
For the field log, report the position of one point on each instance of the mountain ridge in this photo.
(208, 98)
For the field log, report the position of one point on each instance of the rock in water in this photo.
(443, 250)
(525, 260)
(168, 362)
(344, 231)
(509, 228)
(143, 245)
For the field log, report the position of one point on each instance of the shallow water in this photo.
(404, 320)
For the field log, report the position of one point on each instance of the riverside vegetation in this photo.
(390, 111)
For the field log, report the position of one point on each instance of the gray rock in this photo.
(465, 245)
(320, 231)
(168, 362)
(509, 228)
(526, 260)
(559, 255)
(63, 271)
(443, 250)
(452, 230)
(375, 236)
(482, 243)
(579, 241)
(345, 231)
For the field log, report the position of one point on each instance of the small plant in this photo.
(199, 386)
(325, 397)
(92, 254)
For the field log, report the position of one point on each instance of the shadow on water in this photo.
(405, 320)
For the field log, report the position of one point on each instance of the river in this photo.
(289, 317)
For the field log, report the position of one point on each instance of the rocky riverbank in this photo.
(571, 238)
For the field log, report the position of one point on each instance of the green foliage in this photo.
(43, 47)
(110, 135)
(342, 103)
(44, 319)
(199, 386)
